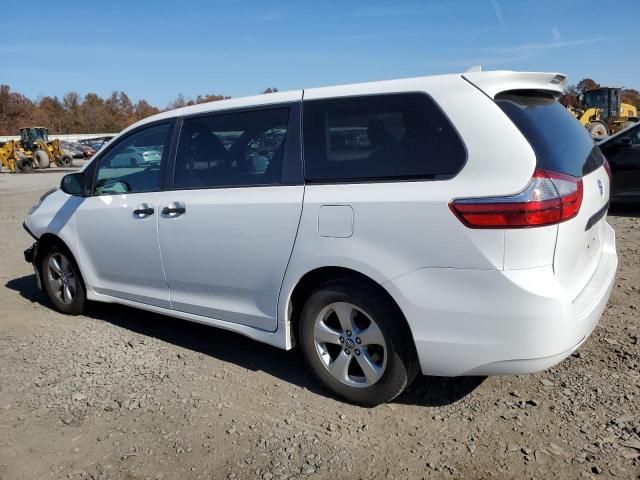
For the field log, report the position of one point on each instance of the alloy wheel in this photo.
(350, 344)
(61, 278)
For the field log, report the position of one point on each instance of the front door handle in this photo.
(174, 209)
(143, 210)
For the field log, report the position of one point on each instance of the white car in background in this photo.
(135, 156)
(448, 225)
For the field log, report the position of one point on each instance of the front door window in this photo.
(133, 166)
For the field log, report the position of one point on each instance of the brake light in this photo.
(607, 167)
(549, 198)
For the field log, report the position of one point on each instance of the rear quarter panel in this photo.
(399, 227)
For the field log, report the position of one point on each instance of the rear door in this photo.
(564, 146)
(228, 226)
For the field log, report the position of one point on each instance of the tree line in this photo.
(572, 97)
(90, 113)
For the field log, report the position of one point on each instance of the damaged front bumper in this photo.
(30, 256)
(31, 253)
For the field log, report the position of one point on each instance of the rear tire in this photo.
(65, 161)
(356, 343)
(41, 159)
(62, 280)
(24, 165)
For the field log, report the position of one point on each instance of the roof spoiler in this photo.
(492, 83)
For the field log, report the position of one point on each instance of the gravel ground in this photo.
(121, 393)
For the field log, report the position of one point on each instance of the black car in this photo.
(623, 153)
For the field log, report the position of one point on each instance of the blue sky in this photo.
(155, 50)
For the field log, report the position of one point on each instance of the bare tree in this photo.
(585, 85)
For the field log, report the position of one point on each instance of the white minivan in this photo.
(450, 225)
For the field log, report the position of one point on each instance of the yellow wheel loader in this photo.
(34, 142)
(603, 113)
(13, 159)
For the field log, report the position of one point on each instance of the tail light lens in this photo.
(549, 198)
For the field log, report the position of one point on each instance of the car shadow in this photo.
(234, 348)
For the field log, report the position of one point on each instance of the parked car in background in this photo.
(622, 150)
(138, 157)
(97, 142)
(72, 149)
(378, 226)
(86, 150)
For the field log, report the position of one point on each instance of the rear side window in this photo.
(560, 142)
(394, 136)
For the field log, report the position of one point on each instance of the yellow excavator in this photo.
(603, 112)
(13, 159)
(34, 142)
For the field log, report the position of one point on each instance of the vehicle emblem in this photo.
(601, 187)
(349, 343)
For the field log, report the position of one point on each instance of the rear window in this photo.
(393, 136)
(560, 142)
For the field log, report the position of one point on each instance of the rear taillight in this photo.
(607, 167)
(549, 198)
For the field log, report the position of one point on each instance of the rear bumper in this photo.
(489, 322)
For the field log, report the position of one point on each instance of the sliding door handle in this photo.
(174, 209)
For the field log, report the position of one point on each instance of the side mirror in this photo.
(74, 184)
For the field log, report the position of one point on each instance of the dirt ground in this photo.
(121, 393)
